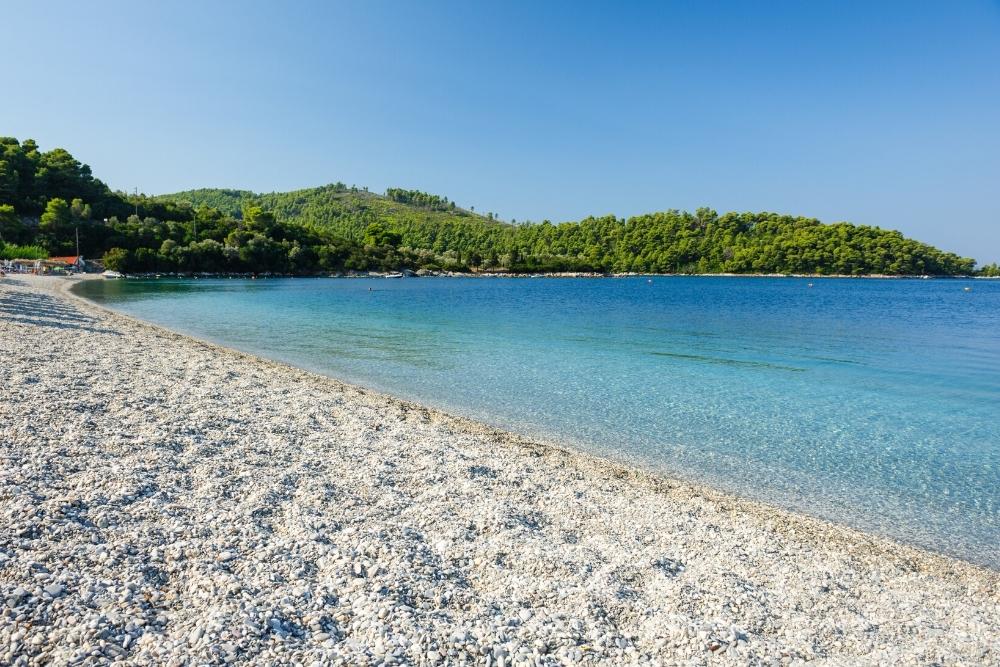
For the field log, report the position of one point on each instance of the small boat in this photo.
(111, 275)
(394, 275)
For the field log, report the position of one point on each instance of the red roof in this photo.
(67, 260)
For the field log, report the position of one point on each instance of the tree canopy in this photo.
(47, 197)
(665, 242)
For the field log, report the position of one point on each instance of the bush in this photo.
(11, 251)
(117, 259)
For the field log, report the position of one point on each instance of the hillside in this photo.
(336, 206)
(226, 201)
(51, 203)
(665, 242)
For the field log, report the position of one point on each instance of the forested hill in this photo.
(667, 242)
(51, 204)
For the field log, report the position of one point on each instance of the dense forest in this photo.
(422, 199)
(666, 242)
(50, 204)
(49, 199)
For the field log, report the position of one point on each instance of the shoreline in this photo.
(617, 466)
(557, 274)
(533, 445)
(643, 542)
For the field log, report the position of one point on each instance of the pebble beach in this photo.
(166, 501)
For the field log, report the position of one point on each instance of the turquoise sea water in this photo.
(874, 403)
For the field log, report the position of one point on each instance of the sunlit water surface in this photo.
(870, 402)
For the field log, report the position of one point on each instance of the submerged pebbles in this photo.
(164, 501)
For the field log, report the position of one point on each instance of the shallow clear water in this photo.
(871, 402)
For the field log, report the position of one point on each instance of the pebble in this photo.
(54, 590)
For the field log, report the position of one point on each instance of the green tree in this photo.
(990, 271)
(79, 210)
(258, 219)
(376, 234)
(56, 216)
(56, 226)
(117, 259)
(12, 230)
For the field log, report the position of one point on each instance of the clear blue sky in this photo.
(882, 113)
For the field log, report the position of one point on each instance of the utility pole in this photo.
(136, 197)
(78, 239)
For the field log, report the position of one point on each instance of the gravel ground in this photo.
(167, 501)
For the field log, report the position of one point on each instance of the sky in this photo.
(880, 113)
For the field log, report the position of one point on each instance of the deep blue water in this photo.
(871, 402)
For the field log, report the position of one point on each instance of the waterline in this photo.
(867, 402)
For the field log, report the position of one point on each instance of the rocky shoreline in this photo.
(424, 273)
(168, 501)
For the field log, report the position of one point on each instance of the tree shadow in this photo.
(46, 311)
(8, 281)
(40, 305)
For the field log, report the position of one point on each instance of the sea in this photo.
(872, 403)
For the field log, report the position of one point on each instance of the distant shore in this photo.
(562, 274)
(163, 498)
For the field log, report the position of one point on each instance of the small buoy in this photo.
(967, 289)
(650, 281)
(810, 284)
